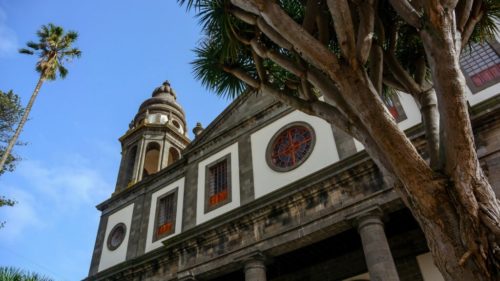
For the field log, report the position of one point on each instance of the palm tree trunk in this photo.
(14, 138)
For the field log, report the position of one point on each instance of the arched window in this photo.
(178, 126)
(129, 168)
(152, 159)
(173, 155)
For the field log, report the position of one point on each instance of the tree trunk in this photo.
(457, 210)
(14, 138)
(430, 118)
(476, 231)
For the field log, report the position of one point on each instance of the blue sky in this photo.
(71, 159)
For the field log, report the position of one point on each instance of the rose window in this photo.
(290, 147)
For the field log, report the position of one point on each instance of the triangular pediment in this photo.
(245, 109)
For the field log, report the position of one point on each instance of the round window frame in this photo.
(273, 140)
(110, 235)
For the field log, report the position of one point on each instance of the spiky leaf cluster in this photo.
(54, 48)
(15, 274)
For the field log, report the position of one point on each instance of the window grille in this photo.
(218, 183)
(166, 212)
(481, 65)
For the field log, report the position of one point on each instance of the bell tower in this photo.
(155, 139)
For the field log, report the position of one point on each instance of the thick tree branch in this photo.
(278, 58)
(407, 12)
(469, 27)
(366, 30)
(390, 81)
(258, 65)
(342, 21)
(462, 13)
(376, 66)
(310, 17)
(401, 74)
(263, 26)
(420, 71)
(303, 43)
(243, 76)
(323, 28)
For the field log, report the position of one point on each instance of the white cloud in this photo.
(46, 193)
(8, 38)
(20, 217)
(68, 185)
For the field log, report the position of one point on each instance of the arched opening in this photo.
(152, 159)
(129, 168)
(178, 126)
(173, 155)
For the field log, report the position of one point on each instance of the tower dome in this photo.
(162, 109)
(155, 139)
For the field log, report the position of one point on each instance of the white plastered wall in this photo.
(429, 271)
(483, 94)
(324, 153)
(201, 216)
(411, 110)
(179, 184)
(108, 257)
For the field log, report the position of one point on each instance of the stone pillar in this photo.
(139, 162)
(376, 248)
(255, 270)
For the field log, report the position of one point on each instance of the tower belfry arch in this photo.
(155, 138)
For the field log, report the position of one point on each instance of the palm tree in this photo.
(54, 48)
(14, 274)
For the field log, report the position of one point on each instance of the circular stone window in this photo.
(290, 147)
(116, 236)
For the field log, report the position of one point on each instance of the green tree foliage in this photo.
(10, 114)
(15, 274)
(54, 48)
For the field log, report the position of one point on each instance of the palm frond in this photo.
(53, 49)
(33, 45)
(208, 68)
(488, 26)
(62, 71)
(26, 51)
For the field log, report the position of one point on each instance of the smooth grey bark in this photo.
(430, 118)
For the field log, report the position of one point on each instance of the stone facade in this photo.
(335, 222)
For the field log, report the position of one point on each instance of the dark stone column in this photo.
(376, 248)
(255, 270)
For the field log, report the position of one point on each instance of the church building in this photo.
(265, 192)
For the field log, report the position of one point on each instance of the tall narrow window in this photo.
(152, 159)
(218, 184)
(173, 155)
(166, 210)
(129, 168)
